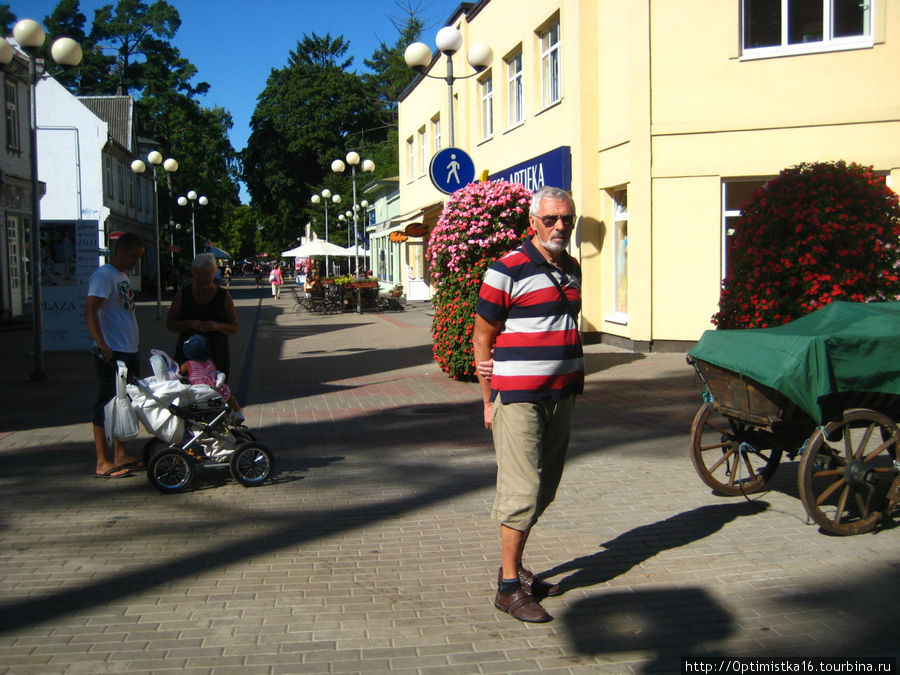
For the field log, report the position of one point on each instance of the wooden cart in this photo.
(849, 473)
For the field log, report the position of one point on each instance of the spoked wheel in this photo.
(847, 470)
(251, 464)
(171, 470)
(731, 456)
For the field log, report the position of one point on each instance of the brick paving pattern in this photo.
(372, 549)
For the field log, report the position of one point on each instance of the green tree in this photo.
(7, 19)
(388, 79)
(240, 231)
(66, 20)
(128, 52)
(310, 113)
(134, 30)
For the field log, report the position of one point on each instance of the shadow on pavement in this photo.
(642, 543)
(594, 363)
(664, 623)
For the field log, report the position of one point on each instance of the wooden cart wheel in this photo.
(847, 470)
(731, 456)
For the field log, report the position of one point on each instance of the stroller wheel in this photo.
(251, 464)
(151, 447)
(243, 435)
(171, 470)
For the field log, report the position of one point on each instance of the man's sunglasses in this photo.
(549, 221)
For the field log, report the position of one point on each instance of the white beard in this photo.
(554, 245)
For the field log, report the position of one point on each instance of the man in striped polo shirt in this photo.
(530, 367)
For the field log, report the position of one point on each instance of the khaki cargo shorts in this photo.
(530, 442)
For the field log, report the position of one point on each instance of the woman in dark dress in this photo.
(204, 308)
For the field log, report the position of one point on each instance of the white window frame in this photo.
(620, 255)
(436, 133)
(487, 107)
(515, 91)
(410, 158)
(731, 214)
(828, 42)
(423, 152)
(551, 69)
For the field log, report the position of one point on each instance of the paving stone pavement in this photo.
(372, 549)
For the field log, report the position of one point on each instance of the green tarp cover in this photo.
(843, 347)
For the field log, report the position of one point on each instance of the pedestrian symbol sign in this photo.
(451, 169)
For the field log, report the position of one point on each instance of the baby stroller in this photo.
(193, 427)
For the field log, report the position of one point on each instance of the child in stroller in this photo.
(200, 369)
(192, 426)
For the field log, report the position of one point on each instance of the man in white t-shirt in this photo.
(109, 313)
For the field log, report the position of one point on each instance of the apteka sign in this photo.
(552, 168)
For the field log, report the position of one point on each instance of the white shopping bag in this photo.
(120, 420)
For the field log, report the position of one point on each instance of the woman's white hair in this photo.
(204, 260)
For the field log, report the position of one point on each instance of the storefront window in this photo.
(620, 224)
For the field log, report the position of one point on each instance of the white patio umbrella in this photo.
(357, 250)
(315, 247)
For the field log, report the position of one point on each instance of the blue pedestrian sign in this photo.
(451, 169)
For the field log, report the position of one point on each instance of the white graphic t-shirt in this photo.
(117, 319)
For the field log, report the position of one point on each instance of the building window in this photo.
(436, 133)
(487, 108)
(550, 71)
(120, 180)
(423, 153)
(13, 259)
(515, 98)
(410, 158)
(735, 194)
(12, 116)
(107, 170)
(797, 26)
(620, 265)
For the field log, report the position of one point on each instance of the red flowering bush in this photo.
(816, 233)
(479, 223)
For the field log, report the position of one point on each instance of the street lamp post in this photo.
(171, 228)
(315, 199)
(190, 198)
(170, 165)
(449, 41)
(66, 52)
(338, 166)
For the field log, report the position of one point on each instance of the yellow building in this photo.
(661, 117)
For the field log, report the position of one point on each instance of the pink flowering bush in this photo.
(479, 224)
(818, 232)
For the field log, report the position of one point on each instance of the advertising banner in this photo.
(69, 255)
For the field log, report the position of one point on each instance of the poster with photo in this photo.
(69, 255)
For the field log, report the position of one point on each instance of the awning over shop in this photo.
(415, 223)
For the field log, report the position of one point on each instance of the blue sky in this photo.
(235, 44)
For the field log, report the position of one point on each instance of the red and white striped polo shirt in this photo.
(538, 353)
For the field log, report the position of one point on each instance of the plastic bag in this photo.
(120, 420)
(164, 366)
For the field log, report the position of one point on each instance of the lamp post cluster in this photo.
(138, 166)
(193, 199)
(316, 199)
(66, 52)
(338, 166)
(449, 40)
